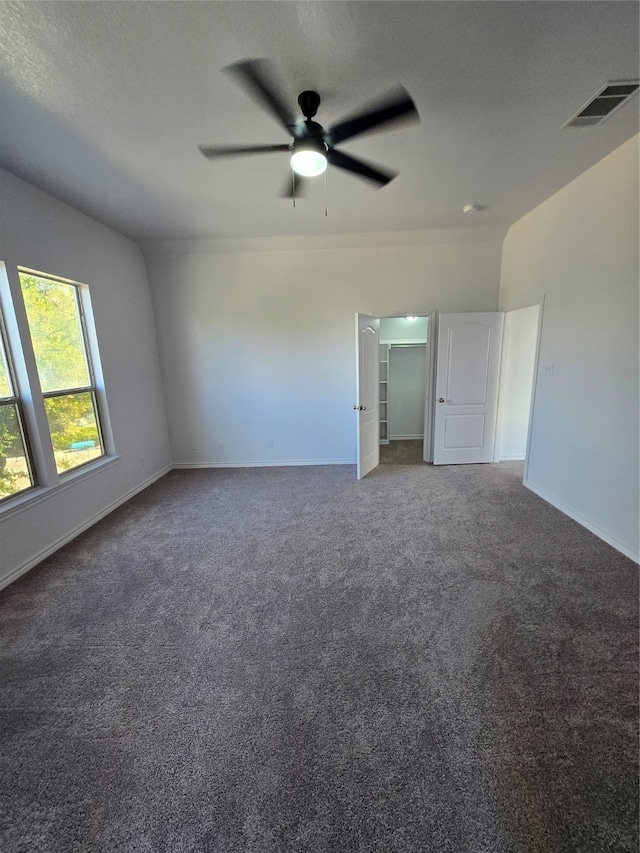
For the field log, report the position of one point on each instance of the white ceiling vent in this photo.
(604, 103)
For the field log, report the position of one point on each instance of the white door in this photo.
(367, 393)
(466, 396)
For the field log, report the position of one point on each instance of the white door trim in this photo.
(432, 334)
(533, 392)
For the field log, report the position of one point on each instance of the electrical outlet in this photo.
(142, 461)
(270, 442)
(194, 446)
(548, 369)
(220, 444)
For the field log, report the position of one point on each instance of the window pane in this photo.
(74, 429)
(56, 333)
(14, 470)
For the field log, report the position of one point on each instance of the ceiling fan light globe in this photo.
(308, 163)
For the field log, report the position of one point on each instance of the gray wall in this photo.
(258, 345)
(579, 250)
(407, 386)
(41, 233)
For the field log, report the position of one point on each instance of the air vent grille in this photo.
(601, 107)
(619, 89)
(604, 103)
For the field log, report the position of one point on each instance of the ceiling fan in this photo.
(313, 147)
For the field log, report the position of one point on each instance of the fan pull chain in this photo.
(325, 193)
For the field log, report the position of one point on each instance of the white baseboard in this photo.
(601, 534)
(279, 463)
(50, 549)
(508, 457)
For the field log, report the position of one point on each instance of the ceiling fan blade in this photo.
(396, 108)
(254, 75)
(301, 187)
(213, 151)
(359, 167)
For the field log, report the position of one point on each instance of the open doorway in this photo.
(405, 373)
(520, 347)
(466, 387)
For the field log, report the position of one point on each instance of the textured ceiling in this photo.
(102, 104)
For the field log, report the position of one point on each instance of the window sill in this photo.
(38, 494)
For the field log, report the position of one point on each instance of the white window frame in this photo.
(13, 401)
(28, 392)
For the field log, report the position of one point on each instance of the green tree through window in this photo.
(15, 470)
(56, 325)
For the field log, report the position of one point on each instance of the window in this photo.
(15, 465)
(53, 416)
(58, 336)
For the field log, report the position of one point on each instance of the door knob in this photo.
(359, 408)
(441, 400)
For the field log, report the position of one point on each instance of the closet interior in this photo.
(403, 377)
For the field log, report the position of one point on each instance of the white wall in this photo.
(516, 381)
(407, 386)
(258, 345)
(401, 330)
(580, 249)
(41, 233)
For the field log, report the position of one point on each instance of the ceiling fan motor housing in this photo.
(309, 102)
(314, 130)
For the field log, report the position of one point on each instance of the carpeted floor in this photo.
(286, 659)
(402, 452)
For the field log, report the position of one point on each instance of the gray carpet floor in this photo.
(286, 659)
(402, 452)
